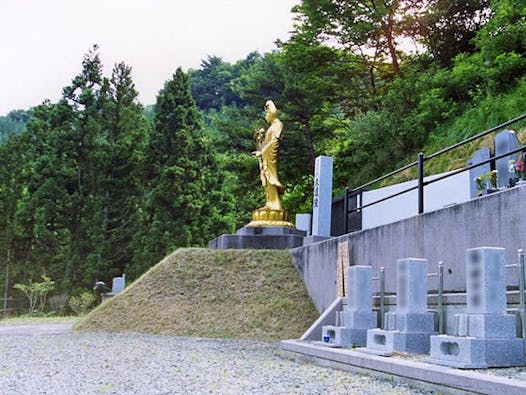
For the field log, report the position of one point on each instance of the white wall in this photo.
(452, 190)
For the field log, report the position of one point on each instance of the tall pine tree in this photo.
(180, 179)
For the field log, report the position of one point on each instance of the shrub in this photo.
(81, 304)
(36, 293)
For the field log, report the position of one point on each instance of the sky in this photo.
(42, 42)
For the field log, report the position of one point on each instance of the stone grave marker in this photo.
(505, 141)
(322, 197)
(408, 328)
(357, 315)
(485, 336)
(479, 156)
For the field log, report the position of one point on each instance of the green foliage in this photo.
(505, 33)
(96, 185)
(36, 293)
(448, 27)
(14, 122)
(183, 183)
(81, 304)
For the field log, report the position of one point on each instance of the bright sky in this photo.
(42, 42)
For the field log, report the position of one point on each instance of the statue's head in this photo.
(271, 112)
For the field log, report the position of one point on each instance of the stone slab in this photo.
(359, 319)
(343, 337)
(476, 353)
(269, 231)
(433, 378)
(269, 242)
(322, 196)
(486, 280)
(486, 325)
(304, 223)
(505, 141)
(391, 341)
(410, 322)
(479, 156)
(359, 288)
(411, 285)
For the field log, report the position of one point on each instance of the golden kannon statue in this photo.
(267, 147)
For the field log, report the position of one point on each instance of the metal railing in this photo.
(420, 165)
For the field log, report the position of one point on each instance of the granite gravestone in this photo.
(485, 336)
(409, 328)
(357, 316)
(479, 156)
(505, 141)
(304, 223)
(322, 197)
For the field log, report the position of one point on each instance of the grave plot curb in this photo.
(444, 379)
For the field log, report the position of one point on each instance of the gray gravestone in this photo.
(357, 316)
(485, 335)
(304, 222)
(479, 156)
(322, 197)
(409, 328)
(505, 141)
(118, 284)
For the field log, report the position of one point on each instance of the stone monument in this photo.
(271, 225)
(357, 316)
(479, 156)
(505, 141)
(409, 328)
(486, 336)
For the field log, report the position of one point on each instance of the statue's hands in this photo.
(256, 153)
(259, 134)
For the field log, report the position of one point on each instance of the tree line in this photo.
(96, 184)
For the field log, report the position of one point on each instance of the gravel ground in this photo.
(91, 363)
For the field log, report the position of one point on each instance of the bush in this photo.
(36, 293)
(81, 304)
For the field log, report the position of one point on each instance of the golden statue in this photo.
(267, 146)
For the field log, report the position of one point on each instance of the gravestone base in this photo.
(260, 237)
(410, 322)
(340, 336)
(382, 342)
(359, 319)
(476, 353)
(486, 325)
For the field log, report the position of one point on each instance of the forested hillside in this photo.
(96, 184)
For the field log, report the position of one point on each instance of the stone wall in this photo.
(496, 220)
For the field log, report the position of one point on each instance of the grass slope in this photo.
(212, 293)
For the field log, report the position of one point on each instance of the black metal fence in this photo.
(347, 214)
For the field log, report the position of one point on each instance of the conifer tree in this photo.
(176, 210)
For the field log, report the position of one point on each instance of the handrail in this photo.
(420, 165)
(473, 138)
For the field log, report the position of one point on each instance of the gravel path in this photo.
(90, 363)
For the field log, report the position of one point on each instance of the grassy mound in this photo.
(212, 293)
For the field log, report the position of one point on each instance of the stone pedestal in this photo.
(409, 328)
(357, 316)
(260, 237)
(485, 336)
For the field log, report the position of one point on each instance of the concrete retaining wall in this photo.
(496, 220)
